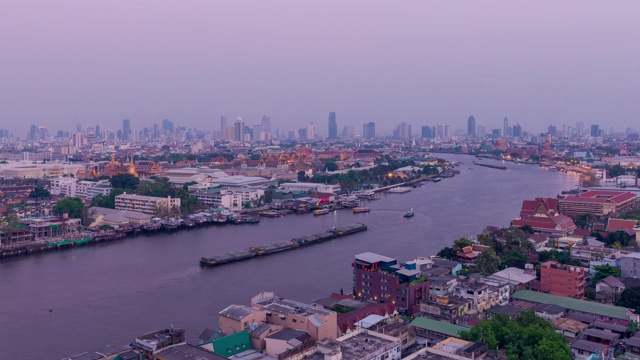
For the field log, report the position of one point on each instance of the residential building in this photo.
(611, 285)
(562, 280)
(381, 279)
(318, 322)
(598, 203)
(476, 292)
(62, 185)
(148, 204)
(576, 306)
(235, 318)
(436, 330)
(630, 265)
(570, 328)
(361, 344)
(311, 187)
(585, 349)
(445, 308)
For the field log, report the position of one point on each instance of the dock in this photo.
(298, 242)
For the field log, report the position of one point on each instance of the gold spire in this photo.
(132, 168)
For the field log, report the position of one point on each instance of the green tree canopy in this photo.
(606, 270)
(488, 261)
(40, 192)
(529, 337)
(630, 298)
(73, 206)
(331, 166)
(461, 243)
(125, 181)
(447, 253)
(107, 201)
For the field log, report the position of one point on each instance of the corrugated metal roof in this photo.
(438, 326)
(573, 304)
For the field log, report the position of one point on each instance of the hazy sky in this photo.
(423, 62)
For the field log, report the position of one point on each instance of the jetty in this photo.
(264, 250)
(499, 167)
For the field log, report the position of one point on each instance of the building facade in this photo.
(562, 280)
(147, 204)
(381, 279)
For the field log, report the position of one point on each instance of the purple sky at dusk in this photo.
(423, 62)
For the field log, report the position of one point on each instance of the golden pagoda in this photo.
(132, 168)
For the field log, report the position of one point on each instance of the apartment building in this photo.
(562, 280)
(381, 279)
(150, 205)
(318, 322)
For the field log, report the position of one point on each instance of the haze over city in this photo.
(542, 63)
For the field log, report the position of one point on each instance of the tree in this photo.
(72, 206)
(302, 177)
(107, 201)
(447, 253)
(527, 229)
(185, 186)
(515, 259)
(606, 270)
(331, 166)
(630, 298)
(461, 243)
(40, 192)
(616, 170)
(528, 337)
(488, 261)
(620, 237)
(125, 181)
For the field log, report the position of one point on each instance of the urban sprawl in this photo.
(561, 282)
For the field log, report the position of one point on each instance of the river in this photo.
(59, 304)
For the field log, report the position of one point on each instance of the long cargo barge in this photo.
(491, 166)
(281, 246)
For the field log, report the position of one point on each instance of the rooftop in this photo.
(269, 301)
(438, 326)
(573, 304)
(371, 258)
(237, 312)
(187, 352)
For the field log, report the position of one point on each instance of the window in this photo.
(384, 287)
(366, 283)
(294, 320)
(384, 280)
(366, 291)
(401, 291)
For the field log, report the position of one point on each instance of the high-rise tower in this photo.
(333, 125)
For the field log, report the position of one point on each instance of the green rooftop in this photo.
(232, 344)
(438, 326)
(590, 307)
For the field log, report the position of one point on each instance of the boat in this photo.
(409, 214)
(321, 212)
(334, 232)
(436, 179)
(226, 258)
(357, 210)
(400, 190)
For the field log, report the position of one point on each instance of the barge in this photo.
(491, 166)
(281, 246)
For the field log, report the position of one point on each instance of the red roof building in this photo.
(543, 216)
(598, 202)
(622, 225)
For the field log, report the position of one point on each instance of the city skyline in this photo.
(434, 63)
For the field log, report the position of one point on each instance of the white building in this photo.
(147, 204)
(234, 198)
(311, 187)
(65, 186)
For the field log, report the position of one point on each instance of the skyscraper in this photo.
(167, 126)
(447, 131)
(426, 132)
(552, 130)
(580, 128)
(471, 126)
(98, 132)
(595, 130)
(403, 131)
(505, 126)
(238, 130)
(333, 126)
(266, 124)
(517, 130)
(311, 131)
(369, 130)
(223, 123)
(126, 129)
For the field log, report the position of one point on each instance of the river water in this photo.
(60, 304)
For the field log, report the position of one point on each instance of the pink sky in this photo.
(423, 62)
